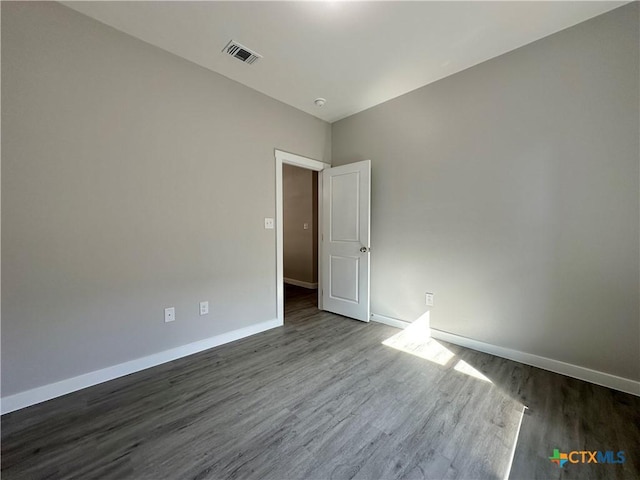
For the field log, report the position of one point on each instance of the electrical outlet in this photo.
(269, 223)
(429, 299)
(169, 314)
(204, 308)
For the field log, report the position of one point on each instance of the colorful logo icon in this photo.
(559, 458)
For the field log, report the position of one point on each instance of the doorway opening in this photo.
(301, 242)
(300, 238)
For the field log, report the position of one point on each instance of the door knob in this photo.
(364, 249)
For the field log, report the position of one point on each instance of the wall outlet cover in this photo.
(170, 314)
(429, 299)
(204, 308)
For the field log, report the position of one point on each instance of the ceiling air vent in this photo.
(241, 52)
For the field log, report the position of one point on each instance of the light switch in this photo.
(305, 226)
(268, 223)
(169, 314)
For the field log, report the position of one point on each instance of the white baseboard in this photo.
(300, 283)
(599, 378)
(393, 322)
(57, 389)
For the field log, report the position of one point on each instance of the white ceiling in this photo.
(354, 54)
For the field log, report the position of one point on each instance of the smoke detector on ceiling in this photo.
(241, 52)
(320, 102)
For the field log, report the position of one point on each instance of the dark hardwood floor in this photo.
(324, 398)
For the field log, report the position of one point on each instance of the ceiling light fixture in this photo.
(319, 102)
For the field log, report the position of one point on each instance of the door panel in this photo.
(345, 224)
(343, 275)
(346, 204)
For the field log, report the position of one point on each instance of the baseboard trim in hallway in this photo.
(300, 283)
(581, 373)
(63, 387)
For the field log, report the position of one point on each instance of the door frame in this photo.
(309, 164)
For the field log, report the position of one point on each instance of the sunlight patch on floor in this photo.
(515, 444)
(464, 367)
(416, 340)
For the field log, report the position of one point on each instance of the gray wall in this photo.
(511, 190)
(132, 180)
(300, 206)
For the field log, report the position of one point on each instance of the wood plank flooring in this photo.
(323, 398)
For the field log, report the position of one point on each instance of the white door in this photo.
(346, 207)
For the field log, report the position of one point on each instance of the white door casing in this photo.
(281, 158)
(346, 232)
